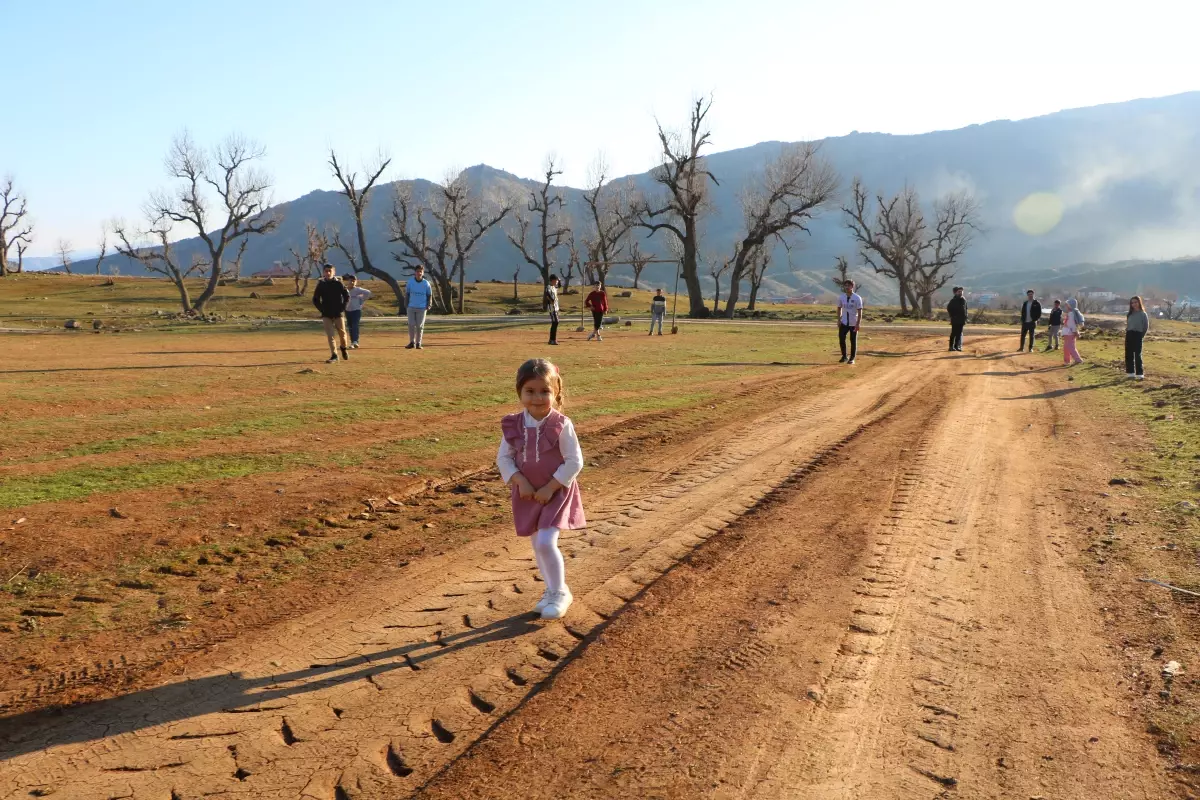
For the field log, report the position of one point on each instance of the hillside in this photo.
(1126, 174)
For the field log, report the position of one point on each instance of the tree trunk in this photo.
(927, 305)
(445, 292)
(214, 275)
(462, 277)
(3, 261)
(716, 294)
(696, 306)
(753, 294)
(185, 299)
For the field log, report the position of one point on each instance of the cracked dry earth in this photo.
(846, 596)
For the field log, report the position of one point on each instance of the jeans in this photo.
(335, 331)
(656, 319)
(1052, 339)
(352, 320)
(597, 320)
(956, 331)
(554, 326)
(1070, 351)
(416, 325)
(1133, 352)
(1031, 329)
(844, 329)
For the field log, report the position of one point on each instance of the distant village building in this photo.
(1097, 294)
(277, 270)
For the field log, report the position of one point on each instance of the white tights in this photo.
(549, 559)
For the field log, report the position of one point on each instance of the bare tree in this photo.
(684, 178)
(899, 243)
(63, 249)
(234, 272)
(783, 199)
(358, 197)
(15, 228)
(441, 232)
(611, 208)
(221, 194)
(103, 247)
(717, 267)
(546, 207)
(159, 258)
(956, 221)
(573, 262)
(758, 271)
(305, 263)
(637, 262)
(841, 272)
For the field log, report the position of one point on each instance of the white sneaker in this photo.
(599, 338)
(558, 605)
(1130, 375)
(541, 604)
(1141, 377)
(851, 362)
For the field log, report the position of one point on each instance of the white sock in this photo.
(550, 560)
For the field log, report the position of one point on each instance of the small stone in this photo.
(306, 371)
(117, 513)
(20, 521)
(428, 524)
(815, 693)
(1171, 669)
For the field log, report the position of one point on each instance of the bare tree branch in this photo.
(547, 208)
(63, 249)
(158, 258)
(358, 197)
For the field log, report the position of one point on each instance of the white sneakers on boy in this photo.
(1130, 375)
(541, 604)
(559, 603)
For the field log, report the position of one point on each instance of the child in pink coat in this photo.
(540, 459)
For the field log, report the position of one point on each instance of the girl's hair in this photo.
(541, 368)
(1141, 305)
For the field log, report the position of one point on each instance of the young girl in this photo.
(1072, 324)
(1137, 325)
(540, 459)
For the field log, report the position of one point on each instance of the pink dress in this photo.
(538, 456)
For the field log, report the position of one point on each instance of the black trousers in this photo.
(842, 331)
(1031, 329)
(1133, 352)
(956, 330)
(554, 326)
(597, 319)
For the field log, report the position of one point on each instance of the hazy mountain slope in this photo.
(1127, 176)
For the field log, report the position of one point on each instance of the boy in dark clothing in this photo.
(1031, 312)
(957, 309)
(658, 310)
(1052, 340)
(550, 303)
(330, 299)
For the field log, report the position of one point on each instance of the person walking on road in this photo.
(957, 309)
(1031, 312)
(658, 310)
(354, 308)
(1137, 325)
(419, 297)
(550, 303)
(1055, 325)
(1072, 325)
(330, 299)
(597, 303)
(850, 309)
(540, 460)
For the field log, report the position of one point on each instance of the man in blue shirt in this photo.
(419, 295)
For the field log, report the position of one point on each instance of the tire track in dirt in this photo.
(952, 652)
(347, 704)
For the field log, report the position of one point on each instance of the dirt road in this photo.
(867, 594)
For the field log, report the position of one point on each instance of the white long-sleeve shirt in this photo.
(568, 445)
(358, 296)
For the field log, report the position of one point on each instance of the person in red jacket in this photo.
(597, 301)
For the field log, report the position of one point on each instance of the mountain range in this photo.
(1125, 178)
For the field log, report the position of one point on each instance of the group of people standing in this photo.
(1063, 328)
(340, 303)
(597, 303)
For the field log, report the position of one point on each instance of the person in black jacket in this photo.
(1052, 340)
(957, 309)
(330, 298)
(1031, 312)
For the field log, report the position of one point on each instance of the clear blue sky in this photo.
(99, 88)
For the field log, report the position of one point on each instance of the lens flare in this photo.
(1038, 213)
